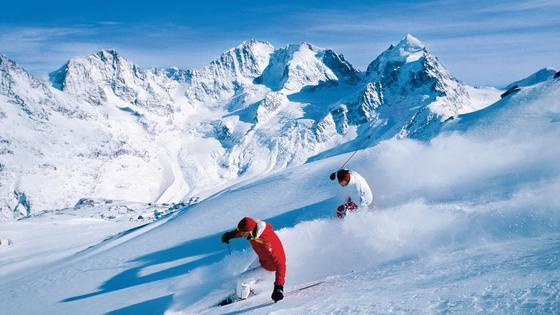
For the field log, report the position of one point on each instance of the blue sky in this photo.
(481, 42)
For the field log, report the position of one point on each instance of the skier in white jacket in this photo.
(355, 193)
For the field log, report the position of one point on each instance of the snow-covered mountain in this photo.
(415, 91)
(181, 133)
(57, 149)
(229, 79)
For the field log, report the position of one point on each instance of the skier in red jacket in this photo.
(270, 252)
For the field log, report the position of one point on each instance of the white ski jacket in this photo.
(357, 190)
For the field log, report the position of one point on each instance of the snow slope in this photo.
(466, 223)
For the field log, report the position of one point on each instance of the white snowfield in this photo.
(465, 223)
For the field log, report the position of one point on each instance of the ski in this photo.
(303, 288)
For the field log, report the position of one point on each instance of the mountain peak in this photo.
(252, 43)
(5, 61)
(101, 60)
(303, 45)
(408, 50)
(252, 46)
(105, 56)
(409, 41)
(108, 55)
(235, 67)
(109, 51)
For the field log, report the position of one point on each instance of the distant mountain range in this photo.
(103, 127)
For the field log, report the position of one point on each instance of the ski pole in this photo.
(356, 151)
(229, 249)
(333, 175)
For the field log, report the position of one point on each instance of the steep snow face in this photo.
(297, 66)
(15, 84)
(292, 121)
(343, 70)
(537, 77)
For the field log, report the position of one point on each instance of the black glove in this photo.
(278, 293)
(228, 236)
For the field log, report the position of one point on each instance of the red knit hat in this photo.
(246, 225)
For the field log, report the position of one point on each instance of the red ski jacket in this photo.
(271, 254)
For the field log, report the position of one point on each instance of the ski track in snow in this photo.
(487, 279)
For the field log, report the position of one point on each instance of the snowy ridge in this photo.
(537, 77)
(297, 66)
(227, 76)
(91, 78)
(530, 105)
(16, 85)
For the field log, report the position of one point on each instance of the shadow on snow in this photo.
(209, 249)
(154, 306)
